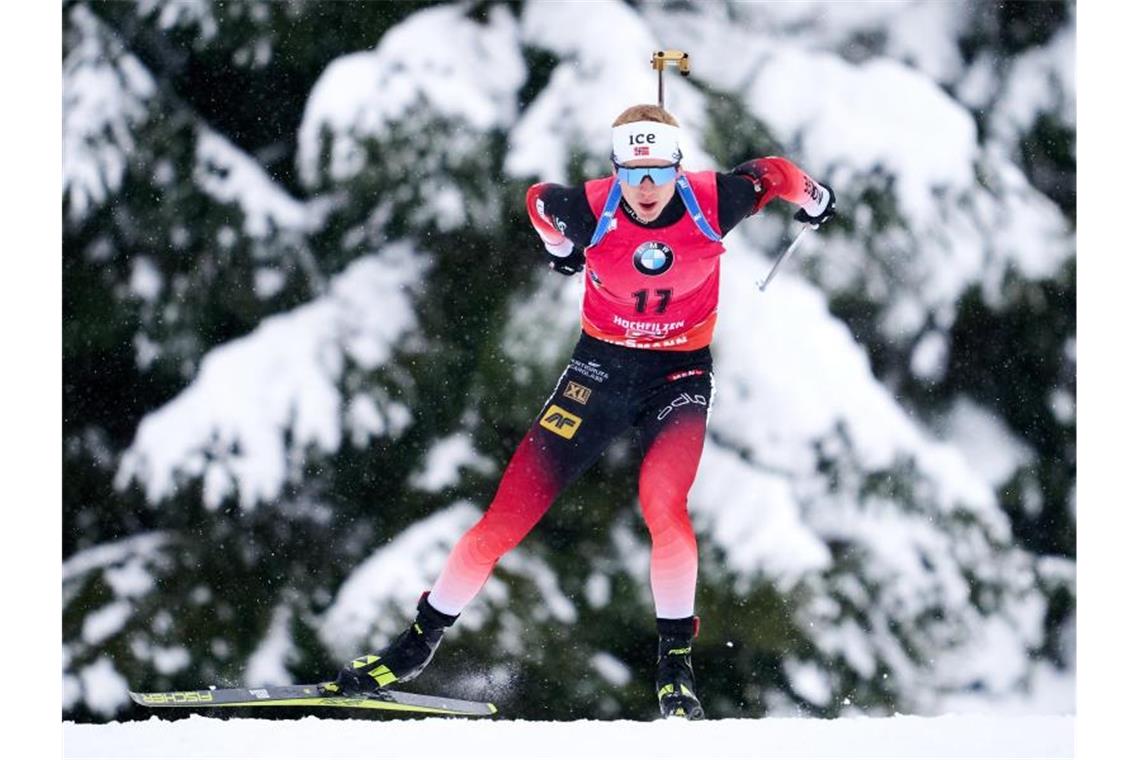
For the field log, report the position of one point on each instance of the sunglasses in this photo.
(658, 175)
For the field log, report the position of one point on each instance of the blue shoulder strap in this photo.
(689, 198)
(608, 212)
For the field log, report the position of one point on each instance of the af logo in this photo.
(579, 393)
(560, 422)
(653, 258)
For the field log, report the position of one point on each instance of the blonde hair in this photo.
(645, 112)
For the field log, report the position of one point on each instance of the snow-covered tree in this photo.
(306, 323)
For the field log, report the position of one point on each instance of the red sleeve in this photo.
(780, 178)
(554, 239)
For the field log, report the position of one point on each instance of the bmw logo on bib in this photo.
(653, 258)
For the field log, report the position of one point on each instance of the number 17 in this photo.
(663, 296)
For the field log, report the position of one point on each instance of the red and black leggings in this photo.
(605, 390)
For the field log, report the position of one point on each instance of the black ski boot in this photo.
(402, 660)
(676, 687)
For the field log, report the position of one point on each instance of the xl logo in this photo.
(579, 393)
(560, 422)
(683, 400)
(641, 138)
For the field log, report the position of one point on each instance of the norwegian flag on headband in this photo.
(646, 139)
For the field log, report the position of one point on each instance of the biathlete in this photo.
(649, 239)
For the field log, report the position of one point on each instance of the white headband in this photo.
(646, 139)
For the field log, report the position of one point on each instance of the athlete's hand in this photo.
(567, 265)
(821, 216)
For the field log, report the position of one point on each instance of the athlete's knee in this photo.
(658, 492)
(493, 536)
(665, 507)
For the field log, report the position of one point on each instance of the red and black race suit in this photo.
(634, 367)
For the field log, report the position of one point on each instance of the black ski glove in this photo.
(567, 265)
(828, 210)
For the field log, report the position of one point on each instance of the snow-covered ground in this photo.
(897, 737)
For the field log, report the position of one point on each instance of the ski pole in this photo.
(791, 247)
(664, 58)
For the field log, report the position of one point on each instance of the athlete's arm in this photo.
(562, 218)
(735, 200)
(774, 177)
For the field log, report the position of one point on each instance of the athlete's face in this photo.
(646, 198)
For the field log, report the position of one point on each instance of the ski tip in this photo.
(143, 698)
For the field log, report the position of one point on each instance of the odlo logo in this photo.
(653, 258)
(683, 400)
(560, 422)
